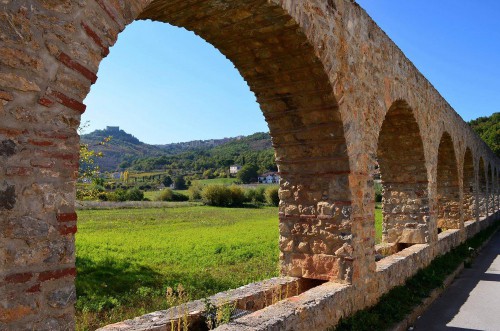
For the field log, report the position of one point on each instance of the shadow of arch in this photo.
(401, 158)
(448, 192)
(469, 187)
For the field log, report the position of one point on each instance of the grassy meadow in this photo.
(127, 258)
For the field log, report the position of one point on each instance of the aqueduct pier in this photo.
(340, 100)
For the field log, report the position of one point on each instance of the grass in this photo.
(215, 181)
(401, 300)
(127, 258)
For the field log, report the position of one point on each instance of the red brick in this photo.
(67, 229)
(12, 132)
(40, 142)
(96, 39)
(113, 15)
(67, 217)
(33, 289)
(42, 163)
(44, 101)
(70, 63)
(6, 96)
(56, 274)
(19, 278)
(69, 102)
(18, 171)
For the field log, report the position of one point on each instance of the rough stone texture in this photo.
(339, 98)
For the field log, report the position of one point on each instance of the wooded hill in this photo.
(124, 151)
(488, 128)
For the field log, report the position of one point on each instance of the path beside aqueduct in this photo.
(339, 98)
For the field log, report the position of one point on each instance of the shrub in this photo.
(216, 195)
(169, 195)
(134, 194)
(194, 192)
(117, 195)
(237, 196)
(272, 196)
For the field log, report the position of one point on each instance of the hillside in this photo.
(124, 151)
(488, 128)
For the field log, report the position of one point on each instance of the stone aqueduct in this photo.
(339, 98)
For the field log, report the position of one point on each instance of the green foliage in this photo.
(167, 181)
(488, 128)
(134, 194)
(378, 192)
(194, 192)
(237, 195)
(180, 183)
(248, 173)
(128, 258)
(216, 195)
(272, 196)
(256, 196)
(169, 195)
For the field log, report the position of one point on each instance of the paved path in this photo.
(472, 302)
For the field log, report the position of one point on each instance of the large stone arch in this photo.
(469, 187)
(448, 192)
(274, 48)
(400, 155)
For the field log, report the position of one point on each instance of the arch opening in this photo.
(405, 203)
(448, 192)
(490, 206)
(469, 187)
(482, 190)
(281, 67)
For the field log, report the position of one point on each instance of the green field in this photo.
(127, 258)
(215, 181)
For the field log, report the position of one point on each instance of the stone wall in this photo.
(333, 89)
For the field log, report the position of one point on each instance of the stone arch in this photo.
(400, 155)
(448, 192)
(281, 67)
(469, 187)
(275, 57)
(274, 53)
(482, 189)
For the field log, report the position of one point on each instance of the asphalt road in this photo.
(472, 302)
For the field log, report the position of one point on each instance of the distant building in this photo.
(269, 178)
(233, 170)
(113, 128)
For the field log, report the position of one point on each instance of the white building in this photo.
(269, 178)
(233, 170)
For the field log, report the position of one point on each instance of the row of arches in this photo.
(406, 202)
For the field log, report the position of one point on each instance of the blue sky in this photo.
(164, 84)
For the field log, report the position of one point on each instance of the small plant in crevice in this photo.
(216, 316)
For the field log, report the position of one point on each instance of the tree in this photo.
(248, 173)
(180, 183)
(488, 128)
(89, 171)
(167, 181)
